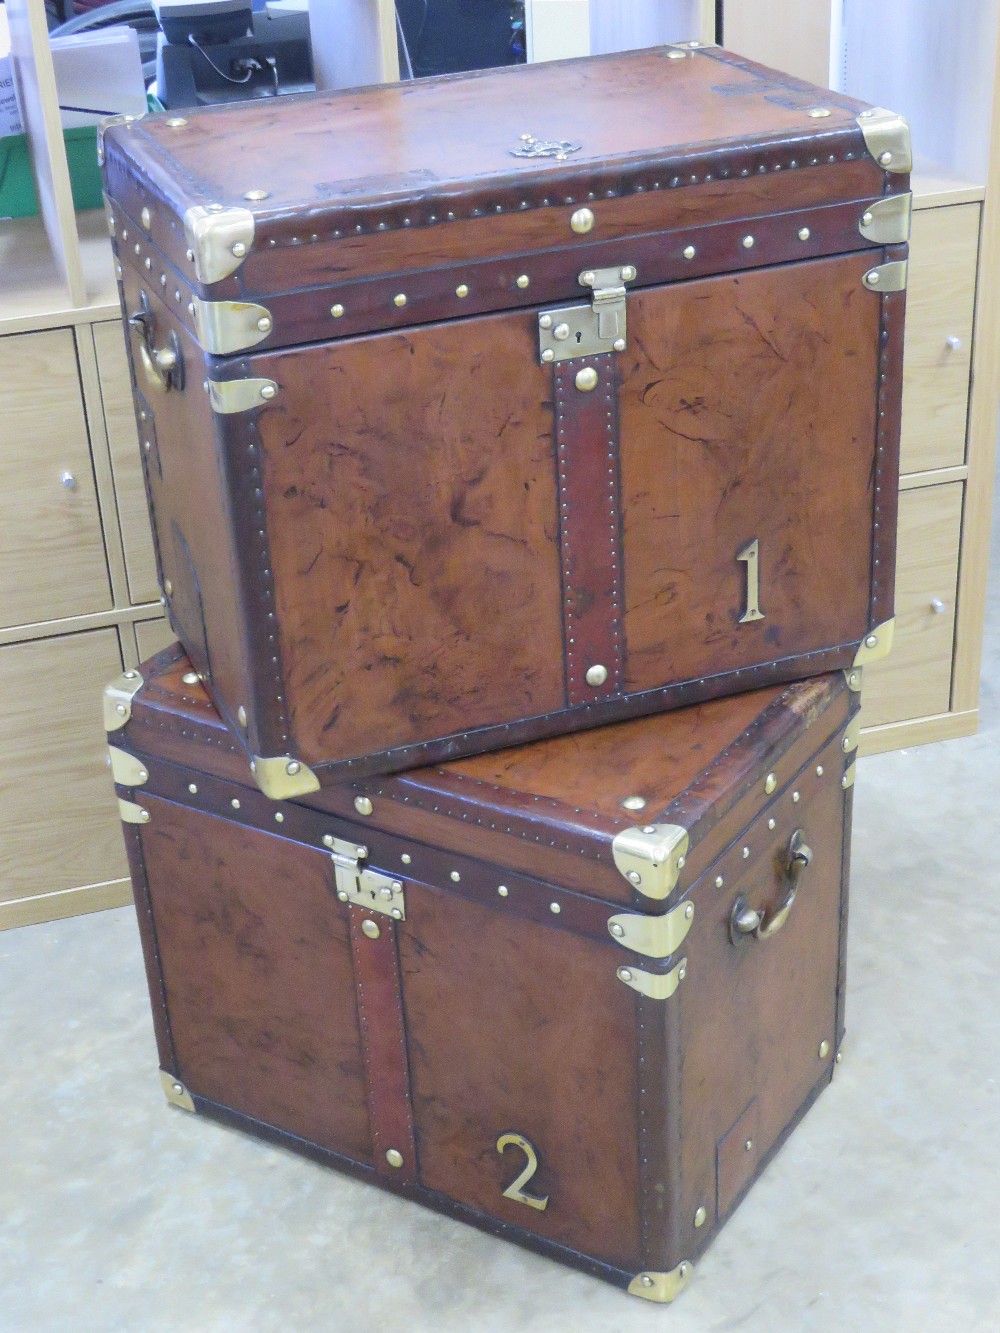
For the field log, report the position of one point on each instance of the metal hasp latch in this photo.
(580, 330)
(367, 888)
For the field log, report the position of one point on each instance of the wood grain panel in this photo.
(940, 299)
(915, 680)
(60, 821)
(152, 636)
(123, 441)
(51, 548)
(787, 34)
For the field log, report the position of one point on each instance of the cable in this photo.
(249, 65)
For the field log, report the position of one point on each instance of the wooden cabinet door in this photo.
(59, 816)
(152, 636)
(940, 298)
(915, 679)
(51, 544)
(126, 463)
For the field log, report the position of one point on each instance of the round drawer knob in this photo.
(953, 343)
(68, 480)
(937, 606)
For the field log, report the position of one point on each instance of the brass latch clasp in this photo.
(356, 883)
(580, 330)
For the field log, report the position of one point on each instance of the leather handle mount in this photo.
(163, 366)
(746, 922)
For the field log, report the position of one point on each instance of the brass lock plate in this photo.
(588, 330)
(357, 884)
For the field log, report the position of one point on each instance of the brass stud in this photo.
(342, 895)
(871, 641)
(279, 818)
(689, 252)
(796, 797)
(700, 1216)
(399, 299)
(770, 782)
(239, 250)
(292, 767)
(746, 853)
(867, 219)
(191, 678)
(168, 587)
(633, 803)
(819, 770)
(819, 112)
(634, 877)
(193, 788)
(503, 890)
(455, 876)
(406, 858)
(748, 1146)
(396, 914)
(885, 158)
(268, 391)
(363, 805)
(145, 217)
(748, 242)
(337, 310)
(617, 929)
(175, 122)
(804, 233)
(586, 379)
(628, 273)
(235, 803)
(588, 279)
(844, 782)
(264, 324)
(254, 195)
(394, 1157)
(461, 291)
(241, 716)
(689, 911)
(772, 824)
(619, 344)
(545, 321)
(719, 881)
(624, 974)
(824, 1049)
(328, 839)
(370, 929)
(681, 862)
(872, 279)
(555, 909)
(597, 674)
(838, 1057)
(561, 331)
(582, 221)
(524, 281)
(548, 354)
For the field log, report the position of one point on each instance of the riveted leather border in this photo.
(886, 478)
(586, 435)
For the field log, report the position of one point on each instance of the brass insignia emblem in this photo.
(560, 149)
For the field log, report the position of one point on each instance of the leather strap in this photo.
(383, 1040)
(586, 428)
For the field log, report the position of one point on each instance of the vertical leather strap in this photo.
(383, 1040)
(586, 427)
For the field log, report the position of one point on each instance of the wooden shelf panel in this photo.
(34, 295)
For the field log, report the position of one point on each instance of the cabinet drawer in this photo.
(123, 441)
(940, 300)
(60, 822)
(915, 679)
(51, 544)
(152, 636)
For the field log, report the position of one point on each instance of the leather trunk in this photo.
(451, 445)
(576, 993)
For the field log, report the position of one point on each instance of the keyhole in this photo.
(579, 337)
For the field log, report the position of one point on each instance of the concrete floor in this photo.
(882, 1212)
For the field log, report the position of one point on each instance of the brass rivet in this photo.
(871, 641)
(178, 1088)
(872, 278)
(582, 221)
(647, 1281)
(143, 775)
(370, 929)
(719, 881)
(680, 862)
(190, 678)
(363, 805)
(406, 858)
(676, 55)
(241, 716)
(239, 250)
(844, 783)
(588, 279)
(689, 911)
(548, 354)
(819, 770)
(770, 782)
(682, 971)
(617, 929)
(819, 112)
(699, 1217)
(824, 1049)
(524, 281)
(235, 803)
(628, 273)
(342, 895)
(885, 158)
(634, 877)
(254, 195)
(268, 391)
(804, 233)
(597, 674)
(461, 291)
(746, 853)
(586, 379)
(619, 344)
(748, 1146)
(624, 974)
(328, 839)
(399, 299)
(148, 265)
(193, 788)
(168, 587)
(649, 828)
(175, 122)
(396, 914)
(633, 803)
(264, 324)
(337, 310)
(545, 321)
(846, 744)
(867, 219)
(772, 824)
(689, 252)
(561, 331)
(503, 890)
(555, 909)
(145, 217)
(279, 818)
(795, 796)
(838, 1057)
(455, 876)
(748, 242)
(292, 767)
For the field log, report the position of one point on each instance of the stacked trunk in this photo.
(456, 445)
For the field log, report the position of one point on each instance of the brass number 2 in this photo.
(749, 555)
(515, 1190)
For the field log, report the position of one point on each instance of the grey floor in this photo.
(881, 1213)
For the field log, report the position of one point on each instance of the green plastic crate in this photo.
(17, 184)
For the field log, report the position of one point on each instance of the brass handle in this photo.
(163, 366)
(745, 922)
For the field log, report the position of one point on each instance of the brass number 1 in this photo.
(749, 555)
(515, 1190)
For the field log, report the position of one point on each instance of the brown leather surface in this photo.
(383, 1039)
(516, 1028)
(590, 541)
(256, 961)
(729, 433)
(150, 948)
(410, 491)
(334, 163)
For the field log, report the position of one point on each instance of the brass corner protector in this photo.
(230, 326)
(887, 221)
(653, 936)
(852, 734)
(131, 813)
(126, 769)
(651, 857)
(118, 698)
(850, 772)
(854, 677)
(175, 1091)
(219, 239)
(662, 1287)
(282, 777)
(890, 277)
(887, 138)
(228, 396)
(105, 124)
(654, 985)
(876, 644)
